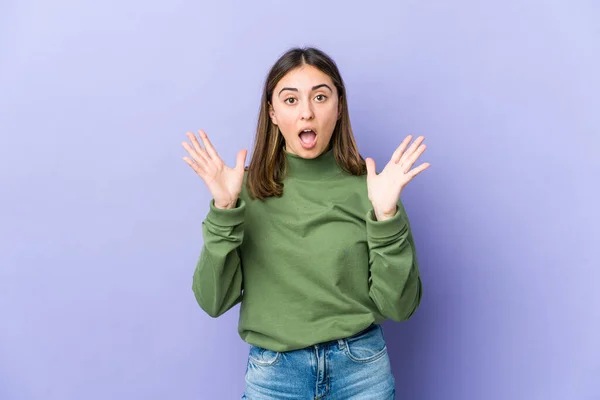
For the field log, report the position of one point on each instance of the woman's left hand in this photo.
(384, 189)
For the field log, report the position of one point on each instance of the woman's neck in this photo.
(322, 166)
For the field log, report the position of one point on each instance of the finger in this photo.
(370, 167)
(416, 171)
(241, 159)
(199, 150)
(398, 153)
(194, 154)
(209, 147)
(412, 148)
(409, 162)
(194, 166)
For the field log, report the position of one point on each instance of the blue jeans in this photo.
(357, 367)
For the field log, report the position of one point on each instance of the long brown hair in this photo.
(268, 167)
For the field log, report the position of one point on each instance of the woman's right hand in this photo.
(224, 183)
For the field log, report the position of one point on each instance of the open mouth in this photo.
(308, 138)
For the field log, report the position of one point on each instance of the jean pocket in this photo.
(366, 347)
(261, 356)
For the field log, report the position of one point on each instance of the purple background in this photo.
(101, 219)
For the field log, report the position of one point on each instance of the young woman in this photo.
(314, 243)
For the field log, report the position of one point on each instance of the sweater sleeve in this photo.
(217, 281)
(394, 281)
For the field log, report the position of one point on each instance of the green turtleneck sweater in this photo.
(310, 266)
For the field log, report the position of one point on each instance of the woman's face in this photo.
(305, 99)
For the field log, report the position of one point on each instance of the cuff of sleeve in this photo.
(227, 217)
(384, 229)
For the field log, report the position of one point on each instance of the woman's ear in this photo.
(272, 114)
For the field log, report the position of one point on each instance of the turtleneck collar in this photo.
(321, 167)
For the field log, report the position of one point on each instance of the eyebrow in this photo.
(313, 88)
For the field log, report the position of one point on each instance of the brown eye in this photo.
(289, 98)
(322, 96)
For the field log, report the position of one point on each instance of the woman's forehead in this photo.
(304, 78)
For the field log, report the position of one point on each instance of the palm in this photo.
(387, 186)
(224, 183)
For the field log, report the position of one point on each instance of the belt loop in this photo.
(341, 344)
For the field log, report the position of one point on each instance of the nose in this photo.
(306, 111)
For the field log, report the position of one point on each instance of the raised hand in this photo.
(385, 188)
(224, 183)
